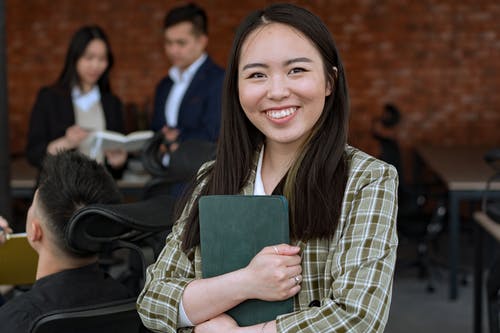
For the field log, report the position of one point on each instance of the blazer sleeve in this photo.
(208, 125)
(212, 118)
(362, 264)
(113, 110)
(39, 132)
(158, 303)
(114, 114)
(161, 92)
(168, 277)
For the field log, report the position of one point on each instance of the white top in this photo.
(182, 318)
(258, 188)
(85, 101)
(89, 115)
(182, 80)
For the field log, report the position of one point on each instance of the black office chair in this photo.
(492, 209)
(102, 228)
(114, 317)
(184, 163)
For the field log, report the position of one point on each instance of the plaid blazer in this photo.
(347, 279)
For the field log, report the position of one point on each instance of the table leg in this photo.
(478, 278)
(454, 255)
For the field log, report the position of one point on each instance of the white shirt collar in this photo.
(187, 75)
(258, 188)
(85, 101)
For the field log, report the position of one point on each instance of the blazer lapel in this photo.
(193, 91)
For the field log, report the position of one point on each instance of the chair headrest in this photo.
(492, 156)
(184, 162)
(493, 211)
(94, 227)
(188, 158)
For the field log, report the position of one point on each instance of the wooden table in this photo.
(23, 180)
(484, 224)
(465, 173)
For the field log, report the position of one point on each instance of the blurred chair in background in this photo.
(183, 166)
(419, 221)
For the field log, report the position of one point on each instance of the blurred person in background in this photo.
(78, 103)
(188, 100)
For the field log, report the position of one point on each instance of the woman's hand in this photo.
(71, 140)
(274, 274)
(75, 135)
(220, 324)
(116, 158)
(5, 230)
(171, 135)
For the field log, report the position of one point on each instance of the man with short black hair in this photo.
(64, 279)
(188, 100)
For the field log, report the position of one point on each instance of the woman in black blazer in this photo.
(79, 102)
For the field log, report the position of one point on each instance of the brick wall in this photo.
(438, 60)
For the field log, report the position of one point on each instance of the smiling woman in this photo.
(283, 90)
(284, 131)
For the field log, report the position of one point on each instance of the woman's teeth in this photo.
(281, 114)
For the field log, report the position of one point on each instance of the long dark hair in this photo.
(81, 39)
(315, 183)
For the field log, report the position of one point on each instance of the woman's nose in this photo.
(278, 88)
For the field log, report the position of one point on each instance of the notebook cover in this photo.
(233, 229)
(18, 261)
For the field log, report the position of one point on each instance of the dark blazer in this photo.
(53, 113)
(200, 109)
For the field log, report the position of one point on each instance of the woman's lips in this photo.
(280, 114)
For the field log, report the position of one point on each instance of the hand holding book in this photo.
(109, 140)
(240, 233)
(274, 273)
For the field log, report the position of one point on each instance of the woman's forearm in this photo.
(267, 327)
(271, 276)
(207, 298)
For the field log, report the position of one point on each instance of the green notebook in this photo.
(233, 229)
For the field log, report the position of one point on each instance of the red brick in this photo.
(436, 60)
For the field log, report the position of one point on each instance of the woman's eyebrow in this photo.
(294, 60)
(253, 65)
(285, 63)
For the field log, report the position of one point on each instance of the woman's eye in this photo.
(297, 70)
(256, 76)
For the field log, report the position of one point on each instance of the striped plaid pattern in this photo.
(349, 275)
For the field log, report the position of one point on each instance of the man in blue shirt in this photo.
(188, 100)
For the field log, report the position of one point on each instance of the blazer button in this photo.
(314, 303)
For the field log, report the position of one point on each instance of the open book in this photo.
(107, 140)
(18, 261)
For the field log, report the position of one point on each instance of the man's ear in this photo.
(36, 233)
(203, 39)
